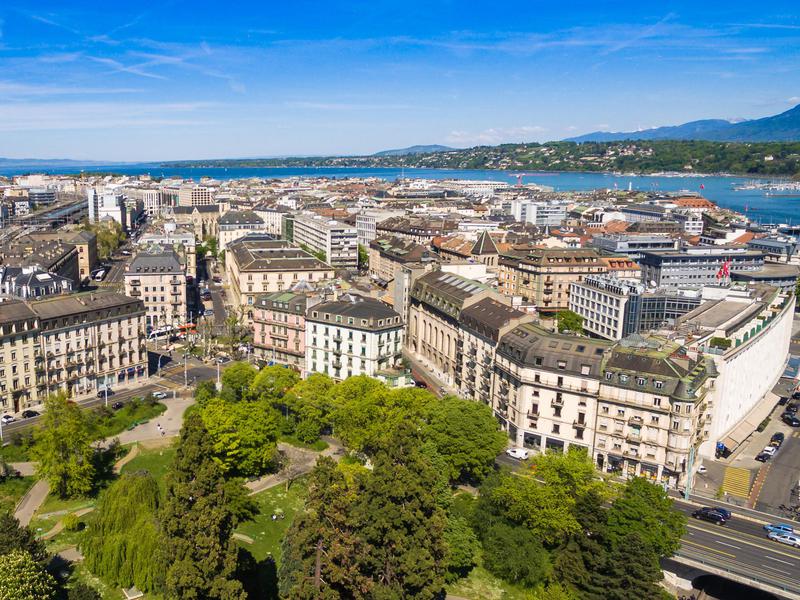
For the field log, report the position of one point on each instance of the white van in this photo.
(519, 453)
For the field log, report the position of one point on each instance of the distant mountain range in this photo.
(784, 127)
(41, 163)
(414, 150)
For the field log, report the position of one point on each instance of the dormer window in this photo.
(623, 378)
(640, 381)
(609, 374)
(658, 384)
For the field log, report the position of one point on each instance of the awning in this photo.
(751, 422)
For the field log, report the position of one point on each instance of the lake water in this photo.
(760, 207)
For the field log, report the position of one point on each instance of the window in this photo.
(658, 384)
(585, 369)
(609, 374)
(557, 411)
(623, 378)
(537, 360)
(620, 412)
(640, 381)
(654, 420)
(604, 410)
(656, 401)
(556, 428)
(562, 364)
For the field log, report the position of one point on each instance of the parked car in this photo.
(785, 538)
(790, 420)
(105, 392)
(791, 408)
(222, 360)
(209, 312)
(779, 528)
(777, 439)
(518, 453)
(117, 405)
(771, 450)
(29, 414)
(421, 384)
(763, 457)
(6, 419)
(160, 395)
(709, 514)
(784, 399)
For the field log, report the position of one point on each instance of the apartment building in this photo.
(543, 276)
(53, 256)
(74, 344)
(355, 335)
(417, 229)
(388, 253)
(338, 241)
(482, 326)
(651, 408)
(279, 329)
(180, 239)
(273, 218)
(634, 245)
(538, 212)
(696, 266)
(545, 388)
(236, 224)
(367, 223)
(84, 241)
(155, 276)
(195, 195)
(436, 301)
(256, 265)
(31, 282)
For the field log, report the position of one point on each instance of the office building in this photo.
(155, 276)
(697, 266)
(195, 195)
(337, 241)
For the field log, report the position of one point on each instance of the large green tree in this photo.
(309, 404)
(238, 377)
(401, 524)
(13, 536)
(515, 554)
(63, 448)
(23, 578)
(124, 545)
(271, 383)
(645, 509)
(243, 435)
(198, 521)
(568, 320)
(466, 435)
(319, 550)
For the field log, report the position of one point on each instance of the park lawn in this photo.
(81, 573)
(482, 585)
(156, 461)
(122, 419)
(12, 489)
(12, 453)
(266, 533)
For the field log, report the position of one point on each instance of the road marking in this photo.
(786, 562)
(710, 549)
(770, 546)
(778, 570)
(729, 545)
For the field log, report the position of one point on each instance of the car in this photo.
(763, 457)
(723, 511)
(771, 450)
(117, 405)
(784, 399)
(702, 469)
(709, 514)
(777, 439)
(6, 419)
(29, 414)
(159, 395)
(785, 538)
(222, 360)
(209, 312)
(421, 385)
(790, 419)
(105, 392)
(126, 253)
(779, 528)
(791, 409)
(518, 453)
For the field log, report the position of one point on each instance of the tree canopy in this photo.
(23, 578)
(569, 321)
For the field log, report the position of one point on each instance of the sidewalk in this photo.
(300, 462)
(421, 372)
(31, 502)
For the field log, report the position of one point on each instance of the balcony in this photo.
(337, 351)
(635, 421)
(579, 424)
(634, 437)
(337, 364)
(134, 282)
(557, 402)
(134, 293)
(337, 338)
(175, 282)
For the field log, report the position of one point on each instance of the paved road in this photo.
(783, 475)
(31, 502)
(741, 547)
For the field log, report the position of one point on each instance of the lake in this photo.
(760, 207)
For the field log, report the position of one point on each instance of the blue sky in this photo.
(178, 79)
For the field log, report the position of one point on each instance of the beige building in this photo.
(197, 195)
(387, 254)
(155, 276)
(203, 220)
(74, 344)
(84, 241)
(543, 275)
(236, 224)
(255, 265)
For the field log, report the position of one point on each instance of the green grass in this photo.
(482, 585)
(12, 489)
(266, 533)
(155, 461)
(120, 420)
(317, 446)
(81, 573)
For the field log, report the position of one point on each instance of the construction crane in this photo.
(519, 177)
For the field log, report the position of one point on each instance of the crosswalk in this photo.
(737, 482)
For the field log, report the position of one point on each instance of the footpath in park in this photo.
(299, 461)
(146, 433)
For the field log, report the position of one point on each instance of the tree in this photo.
(271, 383)
(82, 591)
(318, 558)
(401, 525)
(23, 578)
(363, 257)
(645, 509)
(569, 321)
(515, 554)
(204, 391)
(198, 521)
(237, 331)
(309, 404)
(462, 547)
(466, 435)
(243, 435)
(632, 571)
(63, 448)
(15, 537)
(238, 377)
(571, 471)
(124, 545)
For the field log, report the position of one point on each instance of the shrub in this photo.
(71, 522)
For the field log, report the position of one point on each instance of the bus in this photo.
(167, 331)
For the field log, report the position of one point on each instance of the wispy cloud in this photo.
(9, 89)
(496, 135)
(347, 106)
(117, 67)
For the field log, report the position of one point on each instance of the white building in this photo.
(538, 212)
(355, 335)
(367, 221)
(337, 240)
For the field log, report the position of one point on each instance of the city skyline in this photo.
(185, 81)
